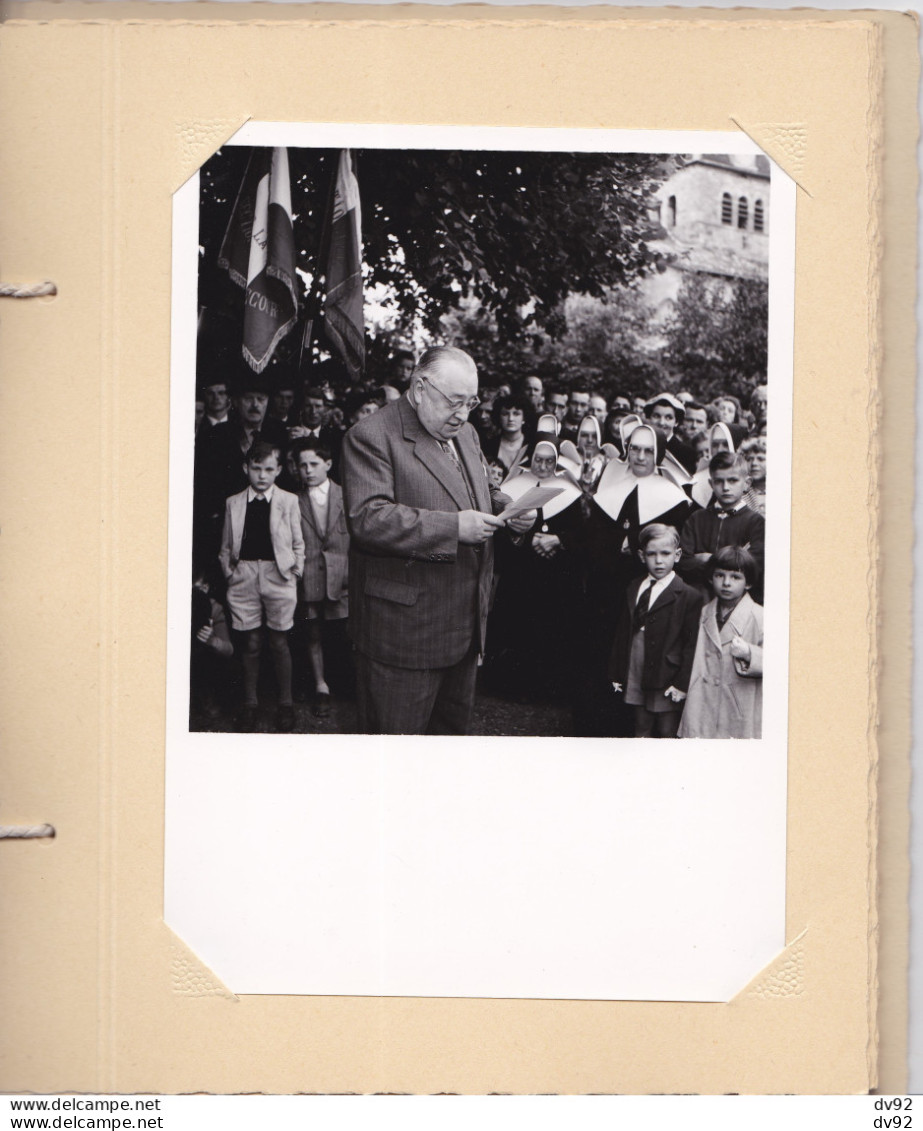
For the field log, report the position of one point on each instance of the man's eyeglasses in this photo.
(456, 404)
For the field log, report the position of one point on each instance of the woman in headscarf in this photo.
(533, 613)
(667, 413)
(637, 491)
(589, 455)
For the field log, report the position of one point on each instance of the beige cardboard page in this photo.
(106, 999)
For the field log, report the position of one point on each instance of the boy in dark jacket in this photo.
(656, 636)
(727, 521)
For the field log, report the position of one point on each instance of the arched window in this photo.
(758, 222)
(727, 209)
(671, 211)
(742, 212)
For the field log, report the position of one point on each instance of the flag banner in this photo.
(258, 252)
(343, 317)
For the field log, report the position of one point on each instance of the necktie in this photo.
(450, 451)
(644, 603)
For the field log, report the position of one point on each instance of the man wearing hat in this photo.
(282, 401)
(666, 412)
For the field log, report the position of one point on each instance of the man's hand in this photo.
(475, 527)
(702, 558)
(205, 633)
(675, 694)
(522, 522)
(616, 687)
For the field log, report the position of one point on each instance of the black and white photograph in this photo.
(470, 496)
(481, 443)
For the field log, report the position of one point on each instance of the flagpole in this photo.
(311, 313)
(323, 248)
(341, 254)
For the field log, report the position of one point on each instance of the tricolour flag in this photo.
(344, 323)
(258, 251)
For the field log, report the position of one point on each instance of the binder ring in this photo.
(25, 832)
(7, 290)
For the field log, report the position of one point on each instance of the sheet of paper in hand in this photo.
(538, 497)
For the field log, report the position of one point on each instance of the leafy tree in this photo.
(605, 344)
(716, 336)
(518, 232)
(608, 345)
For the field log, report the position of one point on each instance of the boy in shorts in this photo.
(262, 557)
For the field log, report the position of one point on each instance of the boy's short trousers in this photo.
(326, 609)
(255, 586)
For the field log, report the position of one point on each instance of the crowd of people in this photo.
(633, 597)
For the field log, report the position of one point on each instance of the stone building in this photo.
(714, 218)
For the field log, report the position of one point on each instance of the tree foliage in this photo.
(605, 345)
(518, 232)
(717, 336)
(713, 341)
(533, 262)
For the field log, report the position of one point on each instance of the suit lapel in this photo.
(433, 458)
(307, 510)
(275, 516)
(739, 620)
(667, 596)
(238, 518)
(470, 454)
(711, 626)
(334, 508)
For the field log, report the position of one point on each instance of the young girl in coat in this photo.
(725, 697)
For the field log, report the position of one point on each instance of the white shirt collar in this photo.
(656, 587)
(320, 492)
(217, 419)
(267, 494)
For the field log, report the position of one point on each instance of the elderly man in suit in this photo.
(421, 515)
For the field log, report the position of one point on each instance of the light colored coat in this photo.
(284, 529)
(725, 697)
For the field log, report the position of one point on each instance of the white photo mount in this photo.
(489, 867)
